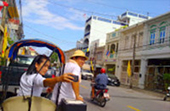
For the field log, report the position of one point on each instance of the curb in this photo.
(149, 92)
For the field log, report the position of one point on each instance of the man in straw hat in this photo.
(71, 90)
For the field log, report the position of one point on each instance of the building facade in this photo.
(156, 52)
(130, 37)
(111, 51)
(151, 53)
(96, 29)
(11, 20)
(69, 53)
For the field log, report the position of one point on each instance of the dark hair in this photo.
(38, 59)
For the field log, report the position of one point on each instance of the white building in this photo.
(96, 28)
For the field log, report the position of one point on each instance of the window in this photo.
(99, 55)
(105, 20)
(112, 50)
(152, 37)
(126, 42)
(94, 17)
(132, 14)
(142, 16)
(113, 34)
(116, 22)
(162, 35)
(140, 43)
(123, 14)
(117, 47)
(132, 41)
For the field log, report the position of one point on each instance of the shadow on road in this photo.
(132, 97)
(89, 101)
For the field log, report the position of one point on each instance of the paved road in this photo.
(124, 99)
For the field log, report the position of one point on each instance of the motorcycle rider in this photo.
(100, 81)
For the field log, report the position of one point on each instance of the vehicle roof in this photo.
(25, 56)
(13, 49)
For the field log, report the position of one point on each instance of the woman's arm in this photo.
(63, 78)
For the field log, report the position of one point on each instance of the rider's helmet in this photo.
(103, 70)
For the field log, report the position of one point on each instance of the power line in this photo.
(106, 5)
(63, 41)
(92, 12)
(115, 7)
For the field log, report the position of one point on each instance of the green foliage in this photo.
(166, 78)
(2, 61)
(54, 57)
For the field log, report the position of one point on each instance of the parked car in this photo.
(10, 75)
(86, 74)
(113, 80)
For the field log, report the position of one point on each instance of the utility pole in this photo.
(94, 59)
(3, 21)
(133, 60)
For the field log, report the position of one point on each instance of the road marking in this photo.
(133, 108)
(83, 86)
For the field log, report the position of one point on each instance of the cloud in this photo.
(36, 11)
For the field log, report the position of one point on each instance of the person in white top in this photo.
(33, 77)
(71, 90)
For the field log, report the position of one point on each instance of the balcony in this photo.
(111, 57)
(134, 14)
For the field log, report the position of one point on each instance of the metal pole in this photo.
(133, 60)
(95, 47)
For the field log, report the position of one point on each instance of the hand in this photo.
(66, 77)
(79, 98)
(49, 90)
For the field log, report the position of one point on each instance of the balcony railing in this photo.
(111, 56)
(134, 14)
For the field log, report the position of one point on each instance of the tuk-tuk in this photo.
(31, 103)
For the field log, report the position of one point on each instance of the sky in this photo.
(62, 21)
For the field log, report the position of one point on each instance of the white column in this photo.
(143, 69)
(118, 68)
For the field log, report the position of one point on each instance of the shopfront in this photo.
(154, 75)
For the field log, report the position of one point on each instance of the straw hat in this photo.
(79, 53)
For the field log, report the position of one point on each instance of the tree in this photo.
(166, 78)
(54, 57)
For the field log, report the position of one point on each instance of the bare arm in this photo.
(75, 86)
(52, 81)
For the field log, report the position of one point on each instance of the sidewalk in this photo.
(152, 93)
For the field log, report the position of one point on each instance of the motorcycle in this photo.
(101, 96)
(167, 94)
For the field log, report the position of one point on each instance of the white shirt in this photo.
(26, 83)
(66, 90)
